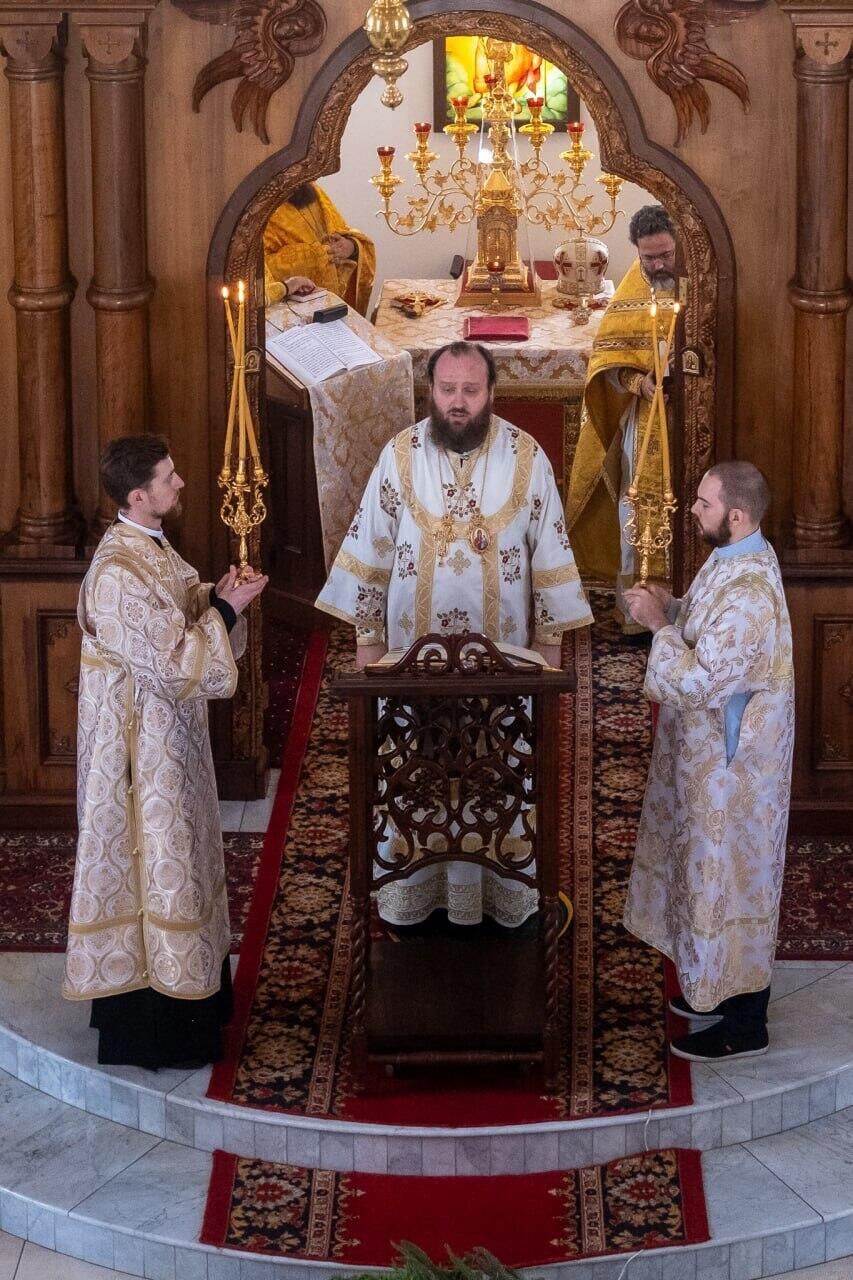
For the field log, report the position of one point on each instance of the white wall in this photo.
(428, 255)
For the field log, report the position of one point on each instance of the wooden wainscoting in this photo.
(40, 665)
(821, 605)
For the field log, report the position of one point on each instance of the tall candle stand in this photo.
(242, 478)
(649, 527)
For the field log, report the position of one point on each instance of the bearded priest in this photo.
(460, 530)
(707, 875)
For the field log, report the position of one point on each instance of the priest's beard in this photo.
(461, 434)
(302, 196)
(719, 537)
(660, 280)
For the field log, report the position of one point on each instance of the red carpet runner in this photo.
(288, 1047)
(647, 1201)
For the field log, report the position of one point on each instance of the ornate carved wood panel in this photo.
(670, 36)
(40, 638)
(832, 742)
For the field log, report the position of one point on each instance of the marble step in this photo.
(112, 1195)
(808, 1073)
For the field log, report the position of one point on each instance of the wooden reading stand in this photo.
(448, 747)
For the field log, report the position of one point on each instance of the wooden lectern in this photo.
(453, 756)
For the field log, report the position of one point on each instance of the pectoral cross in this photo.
(443, 535)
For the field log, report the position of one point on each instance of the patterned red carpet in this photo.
(289, 1044)
(37, 870)
(648, 1201)
(816, 921)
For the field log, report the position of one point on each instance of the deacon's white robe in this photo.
(149, 905)
(390, 583)
(707, 874)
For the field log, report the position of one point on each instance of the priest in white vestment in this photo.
(460, 529)
(707, 874)
(148, 935)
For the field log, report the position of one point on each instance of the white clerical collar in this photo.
(152, 533)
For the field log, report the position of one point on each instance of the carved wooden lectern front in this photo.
(453, 757)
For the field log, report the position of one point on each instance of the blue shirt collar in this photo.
(750, 545)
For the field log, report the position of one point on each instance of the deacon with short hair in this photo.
(148, 936)
(460, 529)
(707, 874)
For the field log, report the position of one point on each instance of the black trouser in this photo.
(747, 1013)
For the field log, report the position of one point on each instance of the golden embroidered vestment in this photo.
(707, 874)
(149, 905)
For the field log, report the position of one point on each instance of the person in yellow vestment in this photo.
(616, 403)
(307, 244)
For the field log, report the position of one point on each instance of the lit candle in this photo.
(657, 405)
(385, 153)
(422, 130)
(240, 373)
(495, 266)
(235, 382)
(576, 130)
(664, 432)
(653, 312)
(535, 103)
(460, 103)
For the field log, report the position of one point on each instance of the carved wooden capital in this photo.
(113, 46)
(33, 49)
(826, 46)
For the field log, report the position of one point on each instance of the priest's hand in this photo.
(647, 387)
(240, 594)
(340, 248)
(552, 654)
(365, 654)
(298, 285)
(646, 608)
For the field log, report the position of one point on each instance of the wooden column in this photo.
(121, 287)
(43, 288)
(820, 291)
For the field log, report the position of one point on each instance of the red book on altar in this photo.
(495, 328)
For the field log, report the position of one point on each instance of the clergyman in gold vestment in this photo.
(616, 403)
(148, 935)
(307, 242)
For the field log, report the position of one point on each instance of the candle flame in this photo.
(676, 307)
(241, 291)
(653, 310)
(225, 293)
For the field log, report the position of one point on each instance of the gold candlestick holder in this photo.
(649, 526)
(242, 478)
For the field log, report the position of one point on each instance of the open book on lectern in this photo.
(314, 352)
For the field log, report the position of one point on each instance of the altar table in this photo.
(540, 380)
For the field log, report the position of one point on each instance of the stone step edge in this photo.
(159, 1257)
(207, 1124)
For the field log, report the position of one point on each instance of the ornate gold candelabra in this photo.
(496, 191)
(243, 507)
(649, 526)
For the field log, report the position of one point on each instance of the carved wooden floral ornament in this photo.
(269, 36)
(670, 37)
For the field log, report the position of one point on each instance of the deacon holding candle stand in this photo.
(148, 935)
(620, 502)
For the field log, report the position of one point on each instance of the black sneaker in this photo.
(684, 1010)
(719, 1043)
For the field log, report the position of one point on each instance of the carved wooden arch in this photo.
(314, 150)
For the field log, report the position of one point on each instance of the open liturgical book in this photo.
(314, 352)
